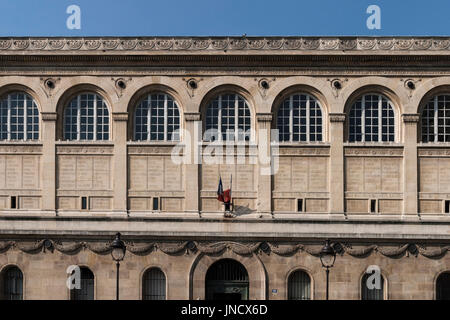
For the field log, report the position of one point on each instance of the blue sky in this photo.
(219, 17)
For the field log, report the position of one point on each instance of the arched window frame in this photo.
(73, 294)
(166, 117)
(288, 283)
(18, 293)
(218, 118)
(35, 118)
(320, 118)
(146, 272)
(95, 116)
(379, 117)
(384, 284)
(435, 134)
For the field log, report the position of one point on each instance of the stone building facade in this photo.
(363, 160)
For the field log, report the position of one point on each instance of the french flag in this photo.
(220, 190)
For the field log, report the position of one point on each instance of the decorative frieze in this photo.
(434, 152)
(227, 43)
(84, 150)
(218, 247)
(152, 150)
(303, 151)
(264, 117)
(378, 152)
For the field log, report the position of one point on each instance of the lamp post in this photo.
(327, 258)
(118, 253)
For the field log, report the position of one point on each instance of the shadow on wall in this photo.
(243, 210)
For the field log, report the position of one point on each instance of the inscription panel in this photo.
(434, 175)
(84, 172)
(20, 172)
(302, 174)
(244, 177)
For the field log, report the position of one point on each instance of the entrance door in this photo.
(227, 280)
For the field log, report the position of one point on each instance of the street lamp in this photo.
(118, 253)
(327, 257)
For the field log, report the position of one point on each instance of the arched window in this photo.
(86, 117)
(156, 118)
(300, 119)
(443, 286)
(299, 286)
(86, 291)
(375, 292)
(154, 285)
(436, 119)
(12, 280)
(372, 119)
(19, 117)
(229, 116)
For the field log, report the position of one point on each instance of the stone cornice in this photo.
(120, 116)
(98, 45)
(49, 116)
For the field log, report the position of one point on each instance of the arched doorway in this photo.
(443, 286)
(227, 279)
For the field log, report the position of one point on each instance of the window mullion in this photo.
(149, 117)
(291, 118)
(219, 119)
(9, 118)
(380, 119)
(78, 117)
(307, 119)
(165, 117)
(363, 119)
(236, 118)
(25, 118)
(95, 117)
(436, 130)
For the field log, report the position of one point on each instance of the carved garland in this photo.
(240, 248)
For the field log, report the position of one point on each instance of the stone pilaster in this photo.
(120, 162)
(191, 169)
(48, 139)
(336, 135)
(264, 202)
(410, 177)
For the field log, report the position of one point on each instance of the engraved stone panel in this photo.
(99, 203)
(318, 173)
(29, 203)
(209, 176)
(357, 206)
(354, 174)
(84, 173)
(2, 171)
(391, 175)
(102, 176)
(372, 174)
(67, 172)
(430, 206)
(4, 203)
(444, 175)
(173, 175)
(138, 203)
(316, 205)
(138, 173)
(389, 206)
(67, 203)
(13, 172)
(155, 173)
(283, 204)
(429, 174)
(300, 168)
(243, 176)
(210, 205)
(172, 204)
(302, 174)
